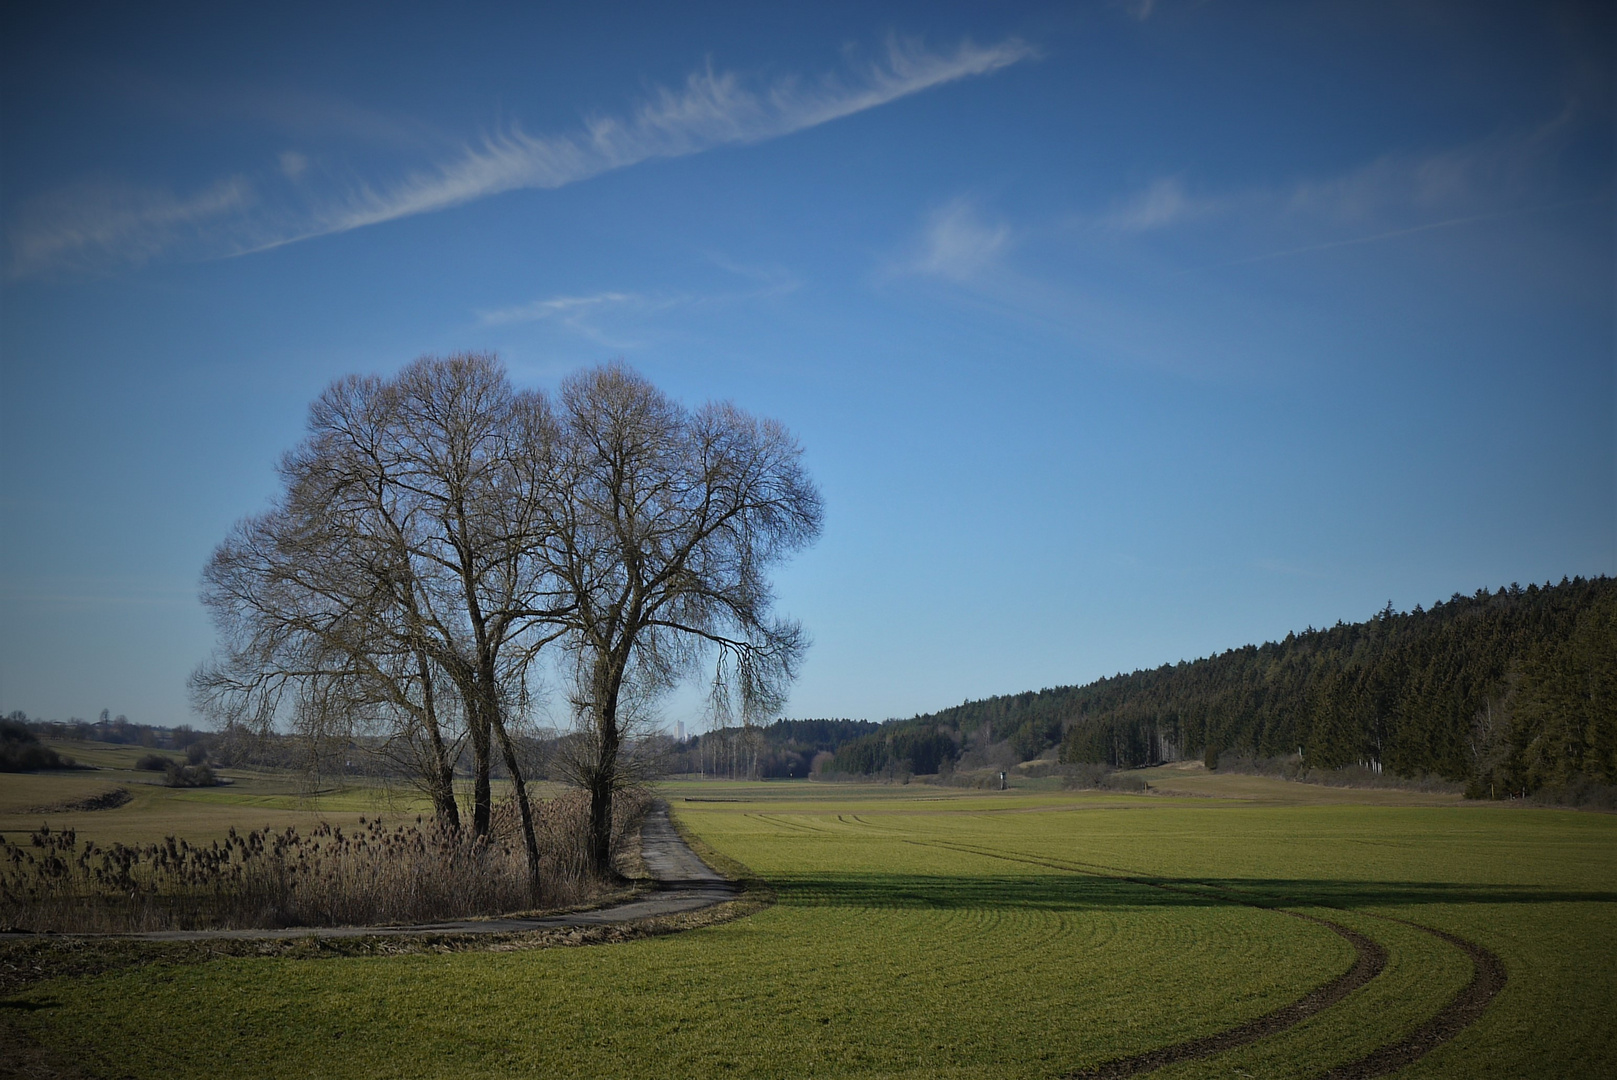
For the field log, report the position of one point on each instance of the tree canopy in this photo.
(436, 530)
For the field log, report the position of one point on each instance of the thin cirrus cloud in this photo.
(1163, 203)
(1393, 194)
(712, 109)
(88, 225)
(607, 317)
(558, 307)
(1083, 276)
(957, 244)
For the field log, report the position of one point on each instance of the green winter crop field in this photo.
(923, 932)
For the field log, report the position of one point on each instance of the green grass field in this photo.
(252, 799)
(923, 932)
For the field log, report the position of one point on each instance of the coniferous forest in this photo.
(1508, 692)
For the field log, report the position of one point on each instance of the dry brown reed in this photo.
(378, 874)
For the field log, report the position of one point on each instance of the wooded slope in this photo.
(1515, 689)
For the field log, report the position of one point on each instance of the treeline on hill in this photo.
(906, 746)
(237, 746)
(21, 750)
(119, 731)
(1508, 692)
(785, 748)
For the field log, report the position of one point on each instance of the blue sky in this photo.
(1115, 333)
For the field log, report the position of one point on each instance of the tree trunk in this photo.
(443, 799)
(440, 771)
(603, 776)
(482, 800)
(600, 838)
(526, 808)
(602, 781)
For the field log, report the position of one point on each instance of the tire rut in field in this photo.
(1370, 957)
(1487, 979)
(1370, 960)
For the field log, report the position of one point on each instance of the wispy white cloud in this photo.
(79, 227)
(957, 244)
(1394, 195)
(1143, 10)
(1125, 282)
(293, 164)
(767, 280)
(712, 109)
(1162, 203)
(1393, 234)
(612, 318)
(558, 307)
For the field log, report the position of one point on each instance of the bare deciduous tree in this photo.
(663, 525)
(400, 575)
(438, 529)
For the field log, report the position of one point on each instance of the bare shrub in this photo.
(1084, 777)
(375, 875)
(110, 799)
(177, 775)
(1582, 792)
(1292, 767)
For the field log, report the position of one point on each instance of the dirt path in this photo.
(683, 883)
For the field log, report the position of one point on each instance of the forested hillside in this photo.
(1513, 690)
(785, 748)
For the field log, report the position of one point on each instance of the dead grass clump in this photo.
(378, 874)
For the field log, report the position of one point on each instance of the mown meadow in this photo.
(920, 931)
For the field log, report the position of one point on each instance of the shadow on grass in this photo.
(31, 1004)
(1071, 891)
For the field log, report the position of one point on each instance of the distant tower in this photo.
(682, 731)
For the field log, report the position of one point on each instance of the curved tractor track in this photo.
(1487, 979)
